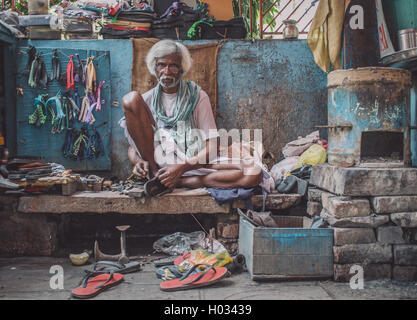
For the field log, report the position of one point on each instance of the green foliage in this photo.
(256, 14)
(22, 5)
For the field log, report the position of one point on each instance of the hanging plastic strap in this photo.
(84, 109)
(38, 118)
(70, 74)
(59, 113)
(98, 107)
(80, 76)
(34, 66)
(89, 118)
(91, 76)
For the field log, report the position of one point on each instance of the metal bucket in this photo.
(366, 108)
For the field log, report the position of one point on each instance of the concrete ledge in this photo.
(178, 202)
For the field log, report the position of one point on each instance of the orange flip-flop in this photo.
(96, 282)
(205, 278)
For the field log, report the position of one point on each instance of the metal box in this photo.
(288, 253)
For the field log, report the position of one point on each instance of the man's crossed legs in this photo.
(140, 125)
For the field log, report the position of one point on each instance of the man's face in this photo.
(169, 70)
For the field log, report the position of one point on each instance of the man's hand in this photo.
(169, 176)
(141, 168)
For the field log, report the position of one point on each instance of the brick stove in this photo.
(368, 191)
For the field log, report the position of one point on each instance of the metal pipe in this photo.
(261, 18)
(250, 18)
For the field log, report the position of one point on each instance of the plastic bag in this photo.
(193, 258)
(216, 260)
(281, 169)
(180, 243)
(315, 155)
(297, 147)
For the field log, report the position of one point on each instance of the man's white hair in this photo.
(164, 48)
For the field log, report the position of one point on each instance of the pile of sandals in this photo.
(107, 274)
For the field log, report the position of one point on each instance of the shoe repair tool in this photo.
(122, 257)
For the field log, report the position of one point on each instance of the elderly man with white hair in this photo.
(172, 132)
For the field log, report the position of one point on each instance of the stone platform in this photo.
(365, 181)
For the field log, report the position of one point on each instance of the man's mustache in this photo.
(173, 80)
(167, 78)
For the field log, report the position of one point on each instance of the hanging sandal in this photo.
(205, 278)
(94, 283)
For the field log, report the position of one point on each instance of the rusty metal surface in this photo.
(372, 99)
(271, 85)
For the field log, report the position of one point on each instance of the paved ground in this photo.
(29, 278)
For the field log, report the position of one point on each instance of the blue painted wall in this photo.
(272, 85)
(413, 122)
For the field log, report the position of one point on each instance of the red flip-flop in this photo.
(182, 258)
(96, 282)
(205, 278)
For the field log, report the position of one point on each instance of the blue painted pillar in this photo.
(413, 121)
